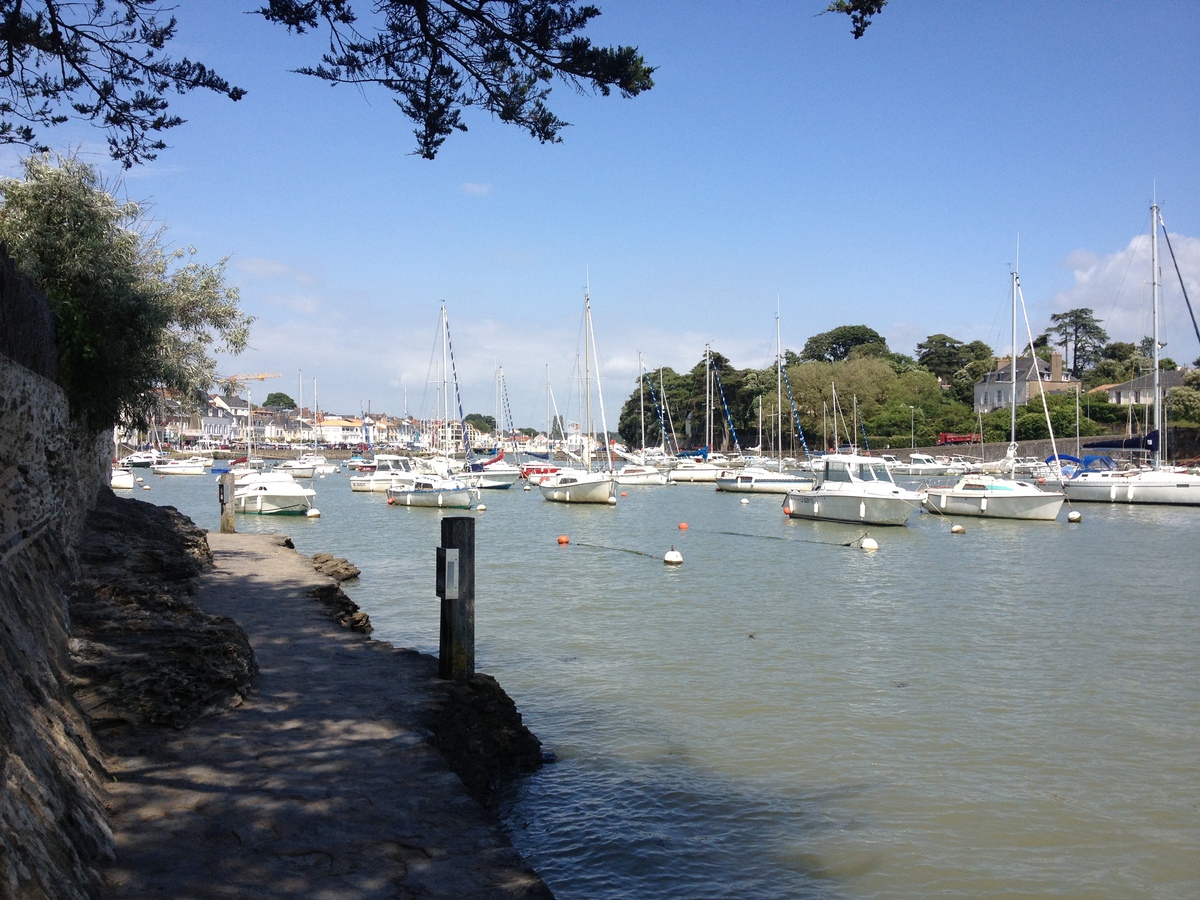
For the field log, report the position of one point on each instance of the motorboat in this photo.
(193, 465)
(535, 472)
(271, 493)
(853, 488)
(919, 465)
(578, 486)
(493, 475)
(693, 471)
(759, 480)
(636, 473)
(143, 459)
(991, 497)
(432, 491)
(390, 470)
(122, 478)
(296, 468)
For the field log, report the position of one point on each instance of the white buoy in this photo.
(313, 513)
(612, 501)
(1074, 516)
(957, 529)
(145, 487)
(526, 487)
(140, 480)
(673, 558)
(869, 544)
(744, 500)
(481, 508)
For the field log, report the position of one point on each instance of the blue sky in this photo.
(777, 163)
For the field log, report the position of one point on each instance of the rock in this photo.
(336, 568)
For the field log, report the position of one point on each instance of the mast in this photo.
(708, 398)
(589, 434)
(1012, 369)
(1155, 297)
(778, 394)
(642, 403)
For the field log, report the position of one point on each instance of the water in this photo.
(1015, 710)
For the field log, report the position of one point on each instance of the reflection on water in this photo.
(1011, 710)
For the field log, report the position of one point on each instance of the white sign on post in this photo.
(451, 574)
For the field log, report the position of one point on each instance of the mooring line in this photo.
(620, 550)
(775, 537)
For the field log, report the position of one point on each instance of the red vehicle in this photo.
(949, 437)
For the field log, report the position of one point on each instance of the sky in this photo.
(778, 172)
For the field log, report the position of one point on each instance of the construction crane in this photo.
(257, 376)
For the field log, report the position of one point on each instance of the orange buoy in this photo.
(683, 526)
(563, 539)
(391, 501)
(624, 493)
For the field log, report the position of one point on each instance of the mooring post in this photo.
(225, 496)
(456, 588)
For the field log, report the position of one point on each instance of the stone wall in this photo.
(53, 828)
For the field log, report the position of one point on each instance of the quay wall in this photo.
(54, 832)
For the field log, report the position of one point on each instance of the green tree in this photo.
(483, 424)
(861, 12)
(106, 62)
(836, 345)
(1080, 335)
(1183, 405)
(132, 316)
(279, 400)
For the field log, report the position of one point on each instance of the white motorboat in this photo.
(853, 488)
(122, 479)
(691, 471)
(1160, 483)
(919, 465)
(143, 459)
(636, 473)
(320, 465)
(496, 475)
(193, 465)
(296, 468)
(578, 486)
(432, 491)
(759, 480)
(994, 498)
(390, 470)
(271, 493)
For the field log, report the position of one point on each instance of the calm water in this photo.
(1015, 710)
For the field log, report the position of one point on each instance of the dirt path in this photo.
(321, 784)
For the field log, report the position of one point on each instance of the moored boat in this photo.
(758, 480)
(853, 488)
(432, 491)
(271, 493)
(990, 497)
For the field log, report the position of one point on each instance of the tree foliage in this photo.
(944, 356)
(279, 400)
(1080, 335)
(106, 62)
(837, 344)
(861, 12)
(483, 424)
(99, 62)
(133, 316)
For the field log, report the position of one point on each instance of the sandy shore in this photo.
(323, 783)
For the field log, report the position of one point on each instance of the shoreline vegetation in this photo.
(178, 691)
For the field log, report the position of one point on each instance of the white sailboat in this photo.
(583, 485)
(701, 469)
(999, 496)
(638, 470)
(1159, 484)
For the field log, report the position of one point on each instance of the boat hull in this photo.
(578, 488)
(1157, 487)
(762, 483)
(638, 474)
(856, 508)
(268, 502)
(431, 499)
(1031, 505)
(700, 473)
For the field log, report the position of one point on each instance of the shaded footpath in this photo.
(324, 778)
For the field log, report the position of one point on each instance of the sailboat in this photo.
(698, 466)
(638, 470)
(1160, 484)
(1000, 496)
(583, 485)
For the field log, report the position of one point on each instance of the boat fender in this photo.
(313, 513)
(481, 508)
(612, 501)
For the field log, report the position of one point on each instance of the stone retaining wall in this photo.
(54, 831)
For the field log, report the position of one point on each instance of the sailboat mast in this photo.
(778, 394)
(1154, 301)
(1012, 369)
(587, 382)
(642, 402)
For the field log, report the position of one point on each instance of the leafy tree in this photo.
(1081, 337)
(836, 345)
(483, 424)
(132, 316)
(279, 400)
(1183, 404)
(860, 12)
(105, 62)
(1120, 351)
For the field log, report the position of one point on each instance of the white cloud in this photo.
(475, 190)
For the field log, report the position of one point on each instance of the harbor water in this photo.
(1010, 711)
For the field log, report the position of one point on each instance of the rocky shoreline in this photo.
(149, 664)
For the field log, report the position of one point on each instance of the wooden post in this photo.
(456, 588)
(225, 495)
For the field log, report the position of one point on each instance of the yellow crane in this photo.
(257, 376)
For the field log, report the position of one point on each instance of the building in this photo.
(1139, 391)
(995, 391)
